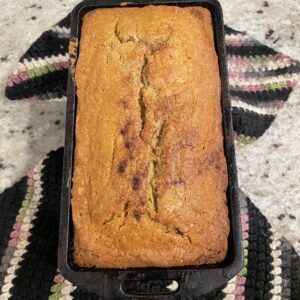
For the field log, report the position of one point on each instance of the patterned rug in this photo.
(29, 238)
(260, 78)
(260, 83)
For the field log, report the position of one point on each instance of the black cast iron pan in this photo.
(188, 282)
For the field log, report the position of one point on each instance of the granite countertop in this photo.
(269, 171)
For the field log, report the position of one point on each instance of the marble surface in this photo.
(269, 169)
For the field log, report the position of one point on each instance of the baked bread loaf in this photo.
(150, 177)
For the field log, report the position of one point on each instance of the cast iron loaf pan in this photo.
(137, 283)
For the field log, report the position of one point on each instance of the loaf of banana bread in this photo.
(150, 176)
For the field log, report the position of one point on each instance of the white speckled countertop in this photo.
(269, 169)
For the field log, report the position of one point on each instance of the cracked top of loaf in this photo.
(150, 177)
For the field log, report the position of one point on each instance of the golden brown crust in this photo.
(150, 174)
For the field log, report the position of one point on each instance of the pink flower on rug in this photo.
(239, 290)
(245, 235)
(58, 66)
(23, 76)
(233, 42)
(15, 234)
(16, 79)
(59, 278)
(17, 225)
(13, 243)
(10, 82)
(65, 64)
(245, 226)
(292, 83)
(30, 173)
(30, 181)
(241, 280)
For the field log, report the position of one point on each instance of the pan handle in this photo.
(168, 284)
(149, 284)
(150, 288)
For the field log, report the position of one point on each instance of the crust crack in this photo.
(156, 141)
(141, 96)
(110, 219)
(125, 213)
(157, 152)
(117, 34)
(134, 39)
(169, 229)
